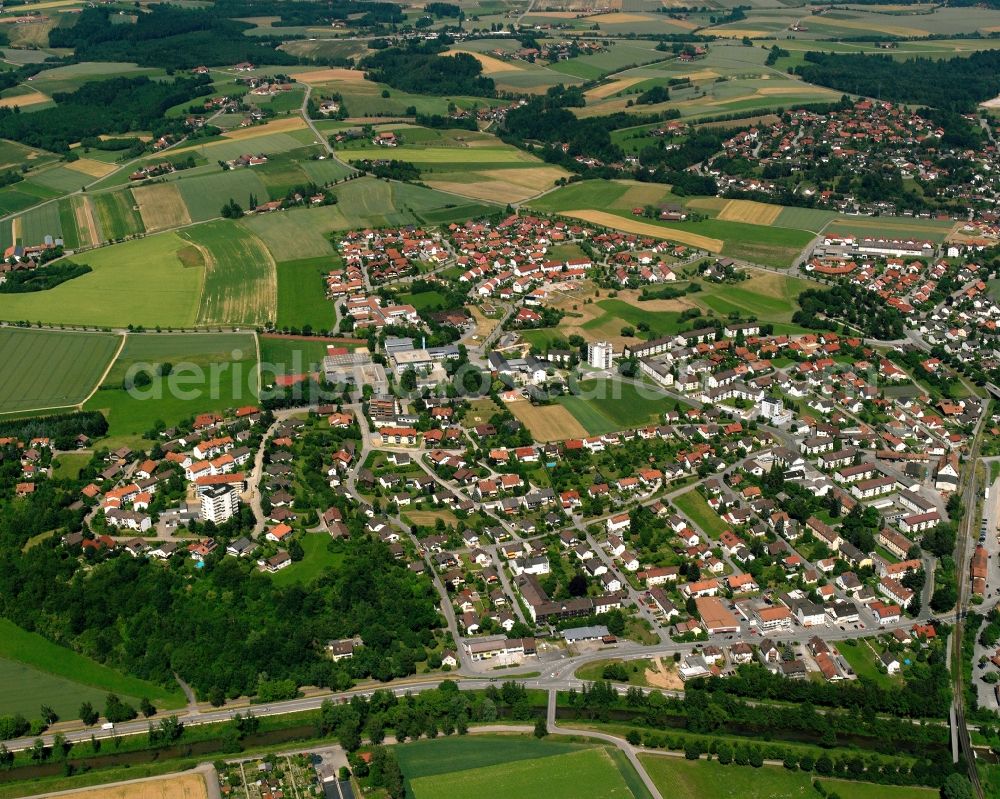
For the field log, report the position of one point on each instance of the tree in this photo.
(116, 711)
(146, 707)
(49, 716)
(541, 728)
(956, 786)
(232, 209)
(295, 550)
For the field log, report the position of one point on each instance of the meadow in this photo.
(49, 660)
(241, 285)
(72, 76)
(211, 372)
(548, 422)
(518, 765)
(117, 214)
(24, 689)
(23, 195)
(205, 194)
(694, 506)
(611, 405)
(302, 294)
(578, 775)
(290, 355)
(316, 560)
(903, 227)
(50, 369)
(610, 203)
(766, 296)
(365, 202)
(37, 223)
(139, 282)
(695, 779)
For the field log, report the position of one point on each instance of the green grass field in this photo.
(37, 223)
(316, 561)
(865, 663)
(137, 282)
(366, 202)
(697, 779)
(204, 195)
(588, 774)
(608, 406)
(24, 689)
(211, 372)
(24, 195)
(51, 667)
(764, 295)
(929, 229)
(67, 221)
(693, 505)
(116, 212)
(302, 294)
(661, 323)
(50, 369)
(500, 765)
(71, 77)
(241, 286)
(289, 356)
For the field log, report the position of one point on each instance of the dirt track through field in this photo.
(646, 229)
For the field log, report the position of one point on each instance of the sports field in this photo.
(302, 295)
(696, 779)
(210, 372)
(52, 666)
(50, 369)
(241, 287)
(140, 282)
(606, 406)
(514, 765)
(547, 422)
